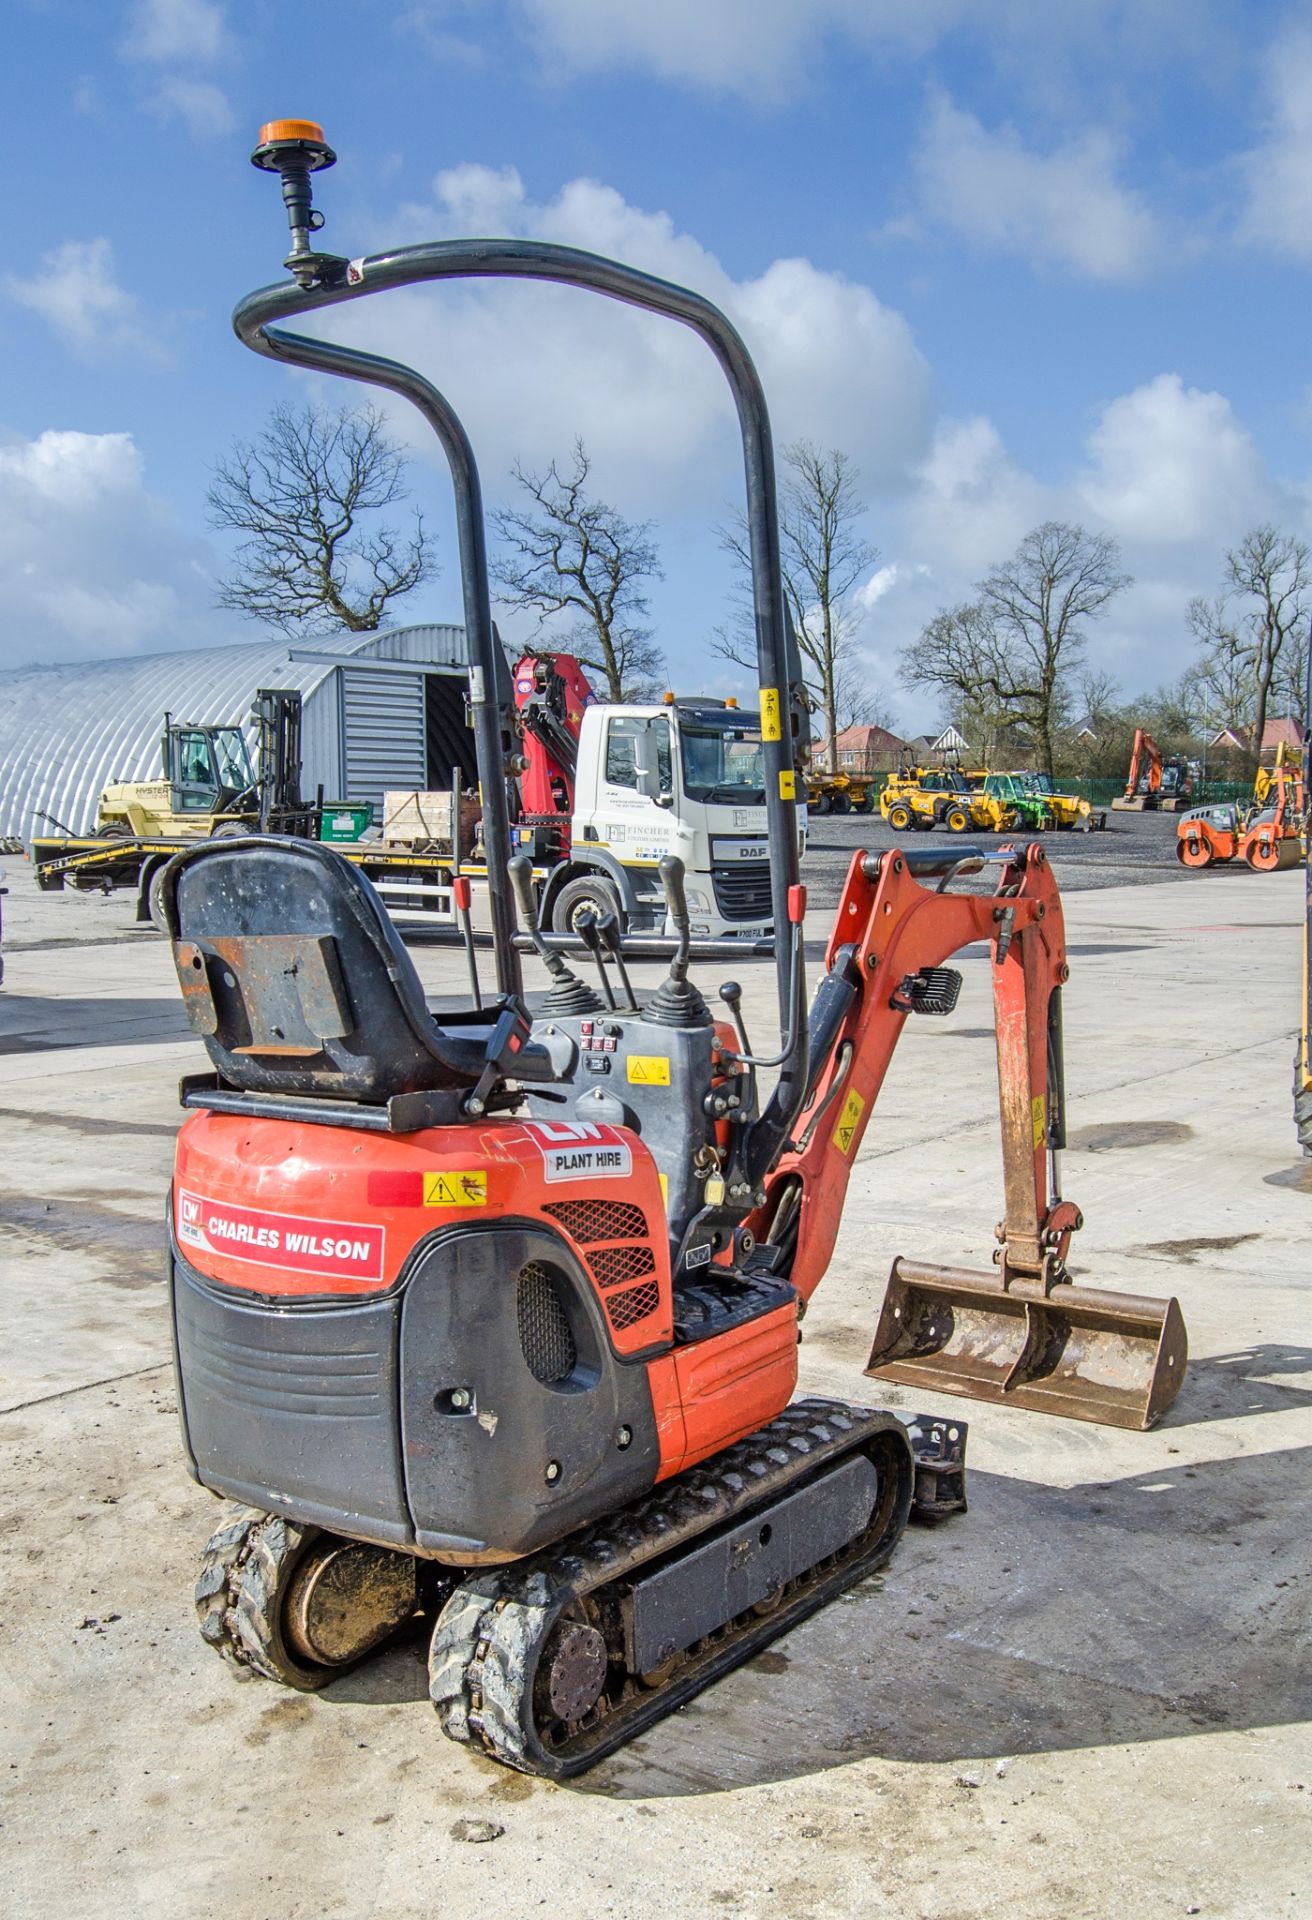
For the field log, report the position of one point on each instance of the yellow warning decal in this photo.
(456, 1189)
(848, 1122)
(664, 1179)
(788, 785)
(649, 1070)
(771, 728)
(1039, 1119)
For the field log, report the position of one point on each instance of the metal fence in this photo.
(1101, 793)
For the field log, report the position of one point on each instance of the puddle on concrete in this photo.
(1299, 1177)
(89, 1123)
(1187, 1251)
(1091, 951)
(131, 1251)
(1128, 1133)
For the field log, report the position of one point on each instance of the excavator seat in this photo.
(299, 984)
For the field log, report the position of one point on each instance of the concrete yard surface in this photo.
(1089, 1696)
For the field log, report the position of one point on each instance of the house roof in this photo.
(863, 739)
(1283, 731)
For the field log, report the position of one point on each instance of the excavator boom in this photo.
(1022, 1333)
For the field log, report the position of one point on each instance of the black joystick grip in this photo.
(568, 993)
(521, 879)
(671, 871)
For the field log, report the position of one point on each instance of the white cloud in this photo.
(166, 32)
(753, 47)
(531, 367)
(1278, 172)
(93, 564)
(769, 50)
(1169, 471)
(75, 290)
(971, 504)
(176, 42)
(1064, 207)
(203, 107)
(1172, 465)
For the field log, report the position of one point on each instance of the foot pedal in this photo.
(939, 1447)
(932, 990)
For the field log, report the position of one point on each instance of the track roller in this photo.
(552, 1663)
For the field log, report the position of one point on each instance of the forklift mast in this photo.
(276, 715)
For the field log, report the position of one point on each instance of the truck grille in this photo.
(743, 893)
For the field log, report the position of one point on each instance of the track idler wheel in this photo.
(296, 1604)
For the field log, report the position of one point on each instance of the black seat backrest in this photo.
(297, 980)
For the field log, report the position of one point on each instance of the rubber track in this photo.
(489, 1635)
(239, 1591)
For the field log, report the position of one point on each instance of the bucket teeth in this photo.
(1115, 1358)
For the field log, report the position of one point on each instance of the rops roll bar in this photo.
(294, 150)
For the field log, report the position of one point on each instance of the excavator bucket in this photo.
(1115, 1358)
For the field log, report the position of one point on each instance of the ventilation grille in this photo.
(586, 1221)
(544, 1335)
(634, 1304)
(614, 1265)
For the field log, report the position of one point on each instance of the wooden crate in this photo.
(424, 819)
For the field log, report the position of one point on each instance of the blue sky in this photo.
(1018, 260)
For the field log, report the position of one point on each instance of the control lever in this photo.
(586, 928)
(461, 897)
(676, 901)
(676, 1002)
(568, 993)
(732, 995)
(608, 928)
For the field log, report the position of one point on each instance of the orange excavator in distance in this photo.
(491, 1317)
(1153, 782)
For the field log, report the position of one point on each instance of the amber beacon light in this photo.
(295, 149)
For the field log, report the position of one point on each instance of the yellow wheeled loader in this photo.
(917, 799)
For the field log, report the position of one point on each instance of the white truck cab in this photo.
(686, 778)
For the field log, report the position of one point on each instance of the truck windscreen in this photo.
(723, 763)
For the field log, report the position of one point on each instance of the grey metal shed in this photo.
(380, 710)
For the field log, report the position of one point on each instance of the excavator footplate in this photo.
(1115, 1358)
(552, 1663)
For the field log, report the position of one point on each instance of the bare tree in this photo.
(823, 555)
(298, 492)
(570, 553)
(1220, 681)
(1290, 684)
(1273, 573)
(1015, 648)
(953, 657)
(1252, 639)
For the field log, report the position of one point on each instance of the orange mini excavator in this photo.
(492, 1317)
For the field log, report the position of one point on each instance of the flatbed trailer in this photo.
(416, 884)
